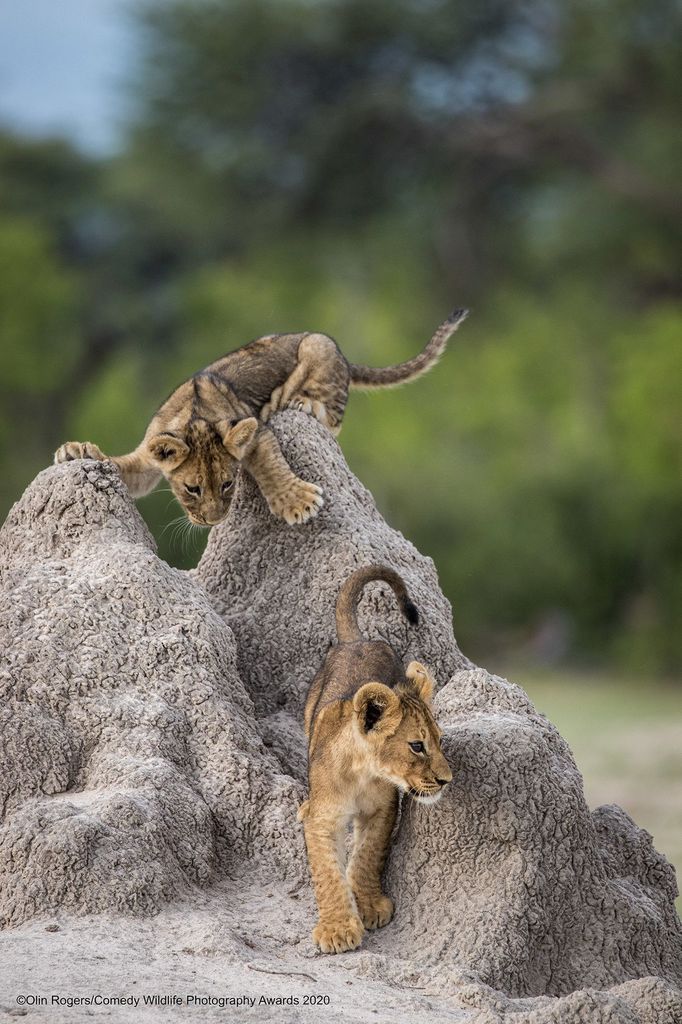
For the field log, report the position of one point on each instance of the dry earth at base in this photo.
(191, 949)
(152, 761)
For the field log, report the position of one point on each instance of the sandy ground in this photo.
(188, 950)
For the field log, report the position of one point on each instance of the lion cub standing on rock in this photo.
(209, 427)
(371, 734)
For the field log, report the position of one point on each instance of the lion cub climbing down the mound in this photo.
(209, 426)
(371, 734)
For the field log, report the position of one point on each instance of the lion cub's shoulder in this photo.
(347, 667)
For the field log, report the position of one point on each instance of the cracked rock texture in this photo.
(276, 585)
(152, 759)
(130, 764)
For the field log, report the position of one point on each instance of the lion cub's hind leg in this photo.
(318, 385)
(372, 835)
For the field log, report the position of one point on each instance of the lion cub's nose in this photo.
(444, 782)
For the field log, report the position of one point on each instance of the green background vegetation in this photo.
(361, 169)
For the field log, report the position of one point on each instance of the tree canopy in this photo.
(360, 169)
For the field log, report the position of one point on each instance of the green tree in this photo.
(360, 169)
(39, 306)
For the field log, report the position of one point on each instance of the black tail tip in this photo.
(411, 612)
(457, 316)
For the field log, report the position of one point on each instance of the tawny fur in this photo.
(216, 422)
(363, 713)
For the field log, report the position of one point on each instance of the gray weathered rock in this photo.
(151, 755)
(276, 585)
(130, 764)
(542, 896)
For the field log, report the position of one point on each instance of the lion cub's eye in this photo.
(417, 747)
(192, 490)
(227, 486)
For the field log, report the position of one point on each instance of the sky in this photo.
(62, 68)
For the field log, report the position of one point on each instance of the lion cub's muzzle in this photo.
(427, 796)
(430, 794)
(199, 519)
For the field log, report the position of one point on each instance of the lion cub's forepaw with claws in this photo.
(376, 913)
(78, 450)
(340, 936)
(299, 503)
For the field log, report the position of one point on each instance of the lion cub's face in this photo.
(400, 737)
(201, 465)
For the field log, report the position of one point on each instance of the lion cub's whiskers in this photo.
(173, 523)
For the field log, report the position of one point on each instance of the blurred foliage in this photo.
(37, 309)
(360, 169)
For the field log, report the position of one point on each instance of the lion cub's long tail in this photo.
(368, 377)
(347, 602)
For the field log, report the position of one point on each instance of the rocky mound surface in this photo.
(152, 759)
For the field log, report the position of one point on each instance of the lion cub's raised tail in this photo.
(347, 602)
(368, 377)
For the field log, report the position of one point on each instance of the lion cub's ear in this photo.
(167, 450)
(377, 708)
(421, 680)
(238, 437)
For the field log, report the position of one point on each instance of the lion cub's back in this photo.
(347, 667)
(255, 370)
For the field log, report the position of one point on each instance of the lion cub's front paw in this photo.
(78, 450)
(300, 502)
(339, 936)
(376, 913)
